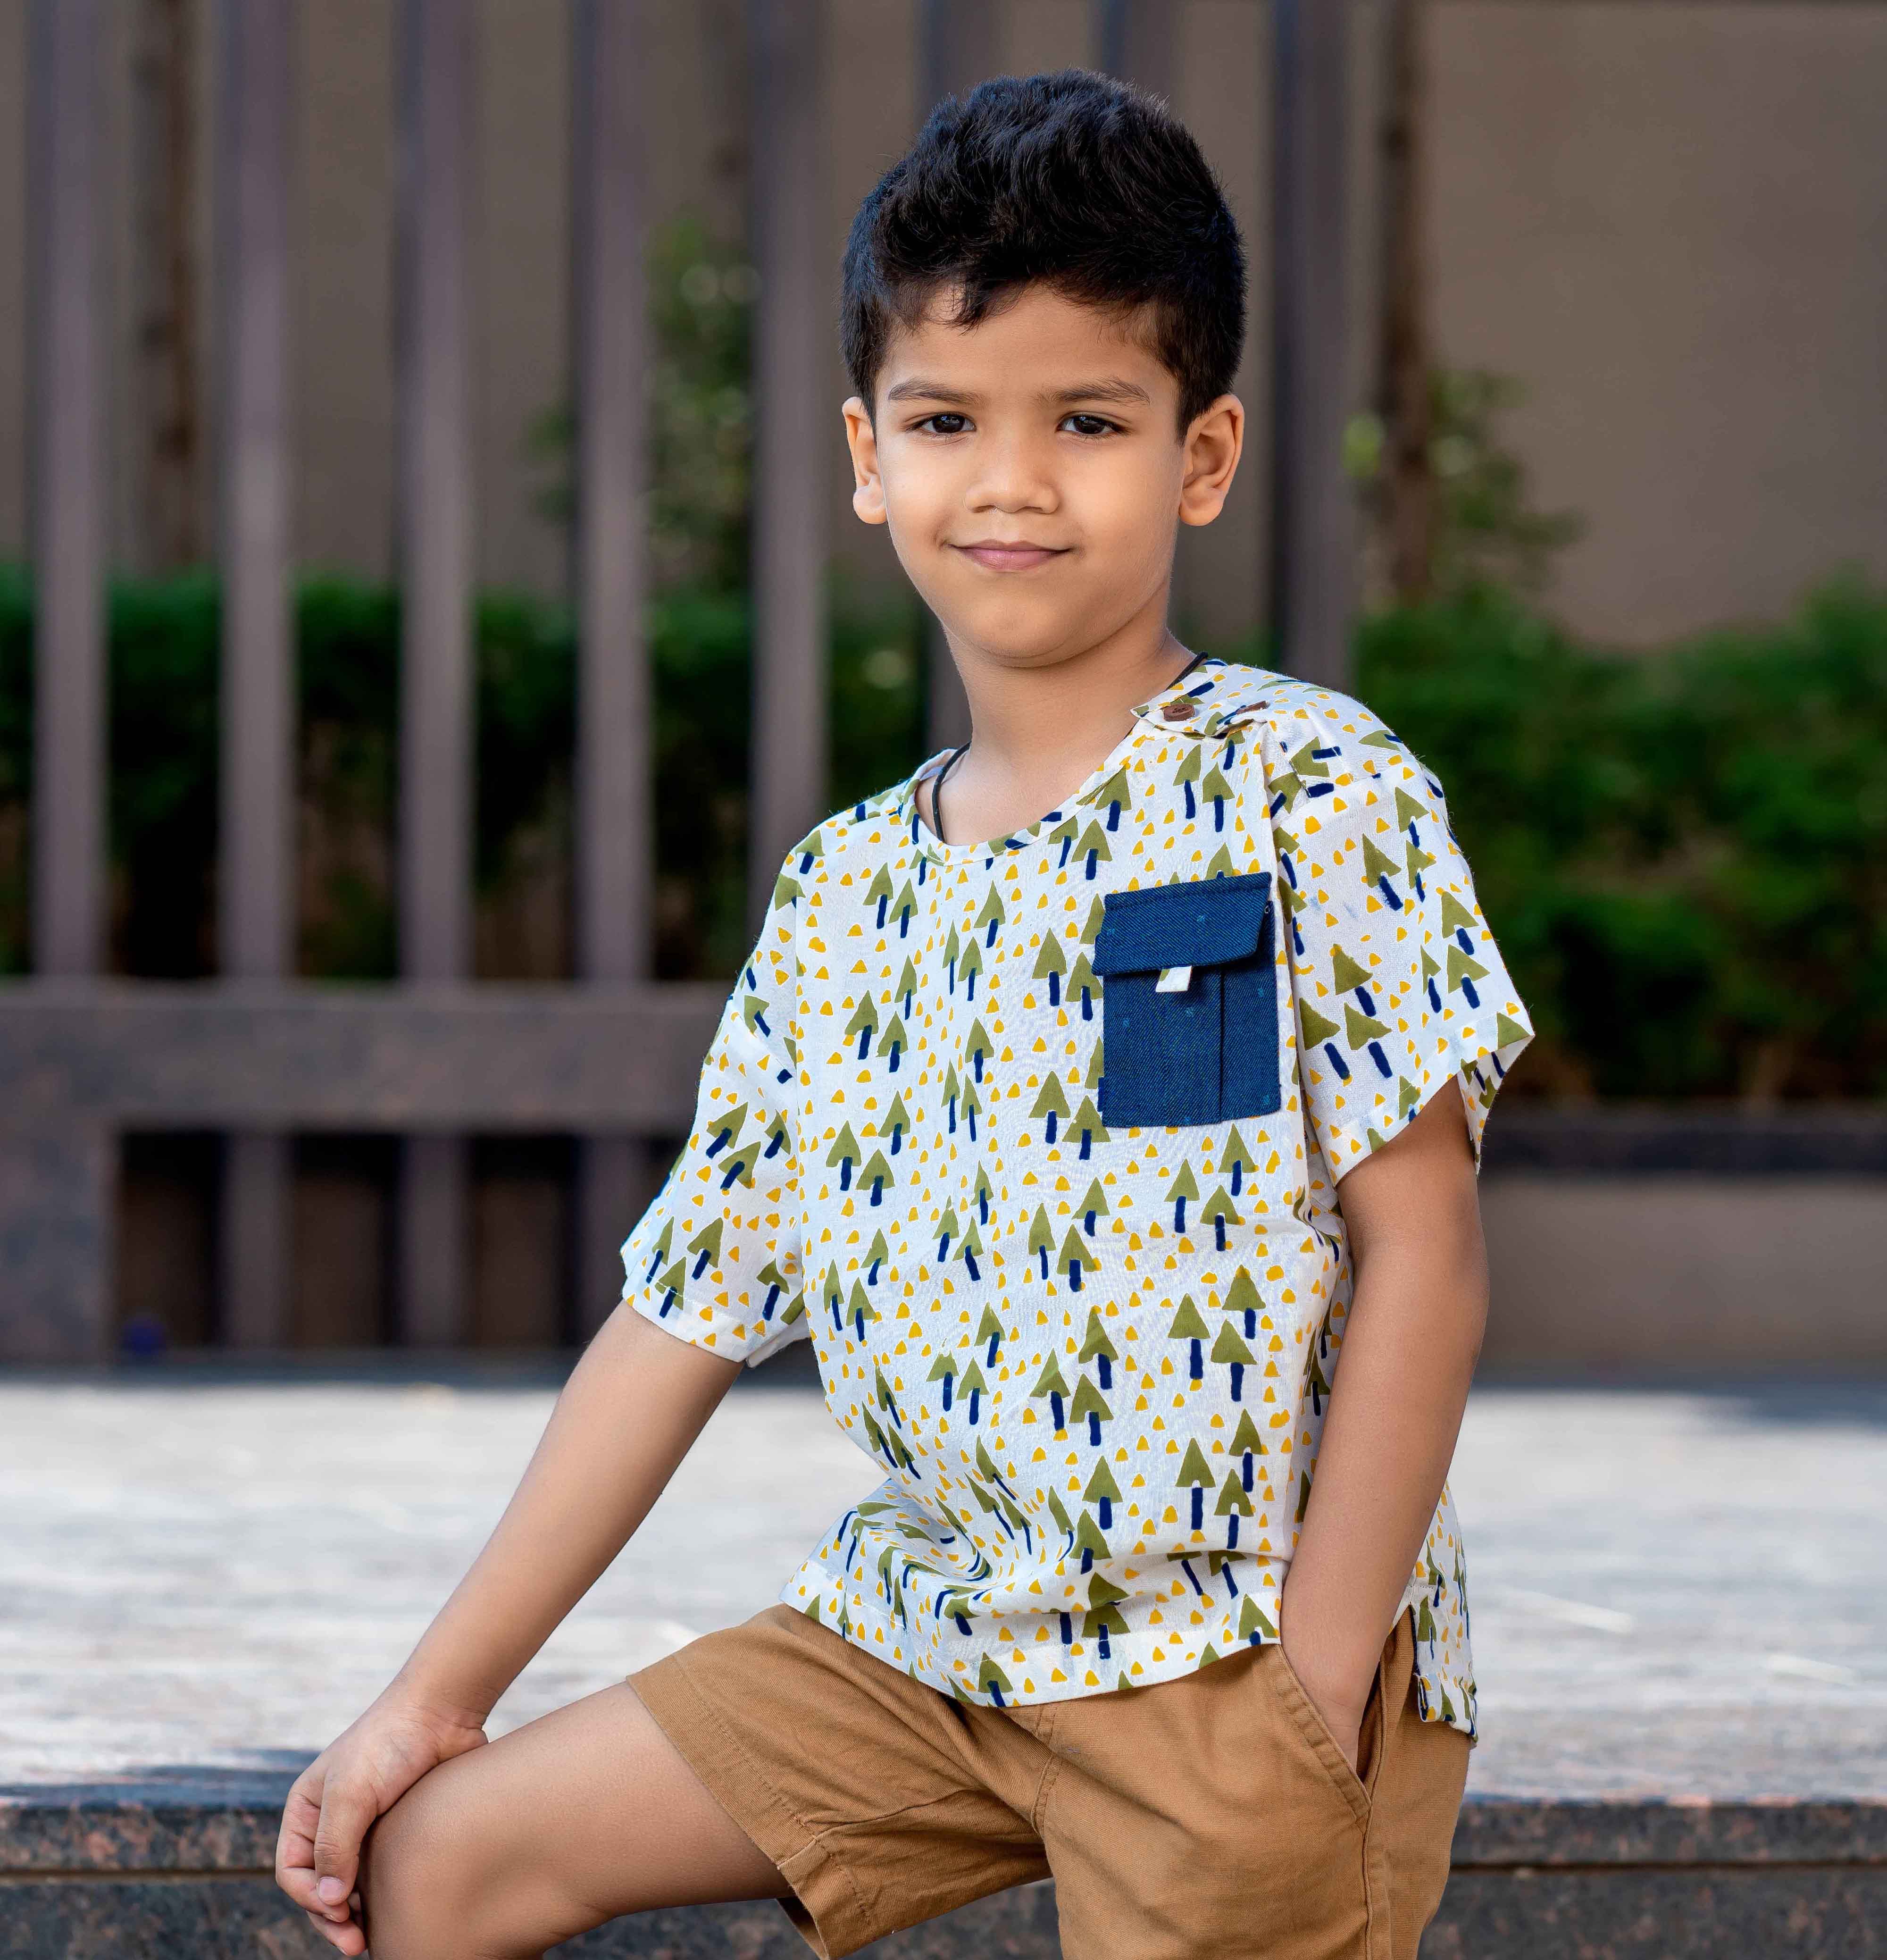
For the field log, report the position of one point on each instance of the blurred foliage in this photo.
(1684, 854)
(700, 306)
(163, 657)
(1486, 531)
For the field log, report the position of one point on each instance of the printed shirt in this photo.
(1037, 1140)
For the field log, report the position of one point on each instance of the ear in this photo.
(867, 491)
(1214, 443)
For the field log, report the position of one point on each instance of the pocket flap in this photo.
(1206, 923)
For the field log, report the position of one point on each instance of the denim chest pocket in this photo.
(1189, 1003)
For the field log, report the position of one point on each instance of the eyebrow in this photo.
(1112, 390)
(919, 390)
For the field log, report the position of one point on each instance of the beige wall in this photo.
(1669, 220)
(520, 207)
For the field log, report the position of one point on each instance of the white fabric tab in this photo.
(1174, 980)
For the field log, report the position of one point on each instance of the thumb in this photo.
(345, 1813)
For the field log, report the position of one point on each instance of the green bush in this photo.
(163, 665)
(1684, 854)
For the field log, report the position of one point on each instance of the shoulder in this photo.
(1287, 713)
(864, 835)
(1312, 743)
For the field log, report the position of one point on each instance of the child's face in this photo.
(1032, 475)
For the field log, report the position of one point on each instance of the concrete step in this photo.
(180, 1866)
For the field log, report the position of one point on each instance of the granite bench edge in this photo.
(229, 1828)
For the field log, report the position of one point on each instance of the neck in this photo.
(1041, 731)
(1032, 721)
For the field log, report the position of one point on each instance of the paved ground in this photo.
(1675, 1592)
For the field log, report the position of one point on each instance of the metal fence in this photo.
(610, 1057)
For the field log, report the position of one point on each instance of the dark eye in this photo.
(1086, 425)
(948, 422)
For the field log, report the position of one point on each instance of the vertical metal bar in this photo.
(435, 54)
(435, 491)
(1138, 42)
(1402, 354)
(1313, 523)
(434, 1239)
(615, 842)
(257, 839)
(615, 1180)
(57, 1191)
(255, 1239)
(67, 489)
(167, 428)
(793, 438)
(256, 836)
(957, 46)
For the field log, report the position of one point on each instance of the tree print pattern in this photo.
(1092, 1364)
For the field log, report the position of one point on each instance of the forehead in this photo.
(1035, 339)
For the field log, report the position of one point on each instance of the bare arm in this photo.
(633, 1405)
(1409, 1348)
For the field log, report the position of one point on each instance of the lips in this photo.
(995, 555)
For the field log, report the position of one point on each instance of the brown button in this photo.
(1182, 710)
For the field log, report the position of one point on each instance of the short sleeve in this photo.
(716, 1259)
(1398, 984)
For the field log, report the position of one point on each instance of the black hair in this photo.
(1074, 181)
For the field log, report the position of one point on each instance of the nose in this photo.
(1014, 474)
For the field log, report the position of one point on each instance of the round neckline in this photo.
(1196, 682)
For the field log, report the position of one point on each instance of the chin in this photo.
(1022, 637)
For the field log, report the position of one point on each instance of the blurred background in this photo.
(426, 564)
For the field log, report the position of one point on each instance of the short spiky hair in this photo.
(1071, 179)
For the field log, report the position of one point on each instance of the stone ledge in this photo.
(210, 1821)
(1510, 1834)
(180, 1863)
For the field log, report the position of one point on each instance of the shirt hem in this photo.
(1441, 1696)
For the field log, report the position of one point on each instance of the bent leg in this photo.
(581, 1815)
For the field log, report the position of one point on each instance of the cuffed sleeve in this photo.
(716, 1259)
(1398, 984)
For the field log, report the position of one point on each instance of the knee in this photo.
(418, 1889)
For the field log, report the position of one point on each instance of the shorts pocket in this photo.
(1315, 1732)
(1189, 1003)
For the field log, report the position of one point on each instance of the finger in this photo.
(294, 1843)
(300, 1812)
(346, 1815)
(299, 1887)
(348, 1939)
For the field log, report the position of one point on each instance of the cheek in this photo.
(1131, 511)
(917, 504)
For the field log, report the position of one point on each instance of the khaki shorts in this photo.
(1211, 1815)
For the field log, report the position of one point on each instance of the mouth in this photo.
(993, 555)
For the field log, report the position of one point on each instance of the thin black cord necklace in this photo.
(957, 754)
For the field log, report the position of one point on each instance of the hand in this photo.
(1335, 1691)
(356, 1778)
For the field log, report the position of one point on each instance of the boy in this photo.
(1084, 1100)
